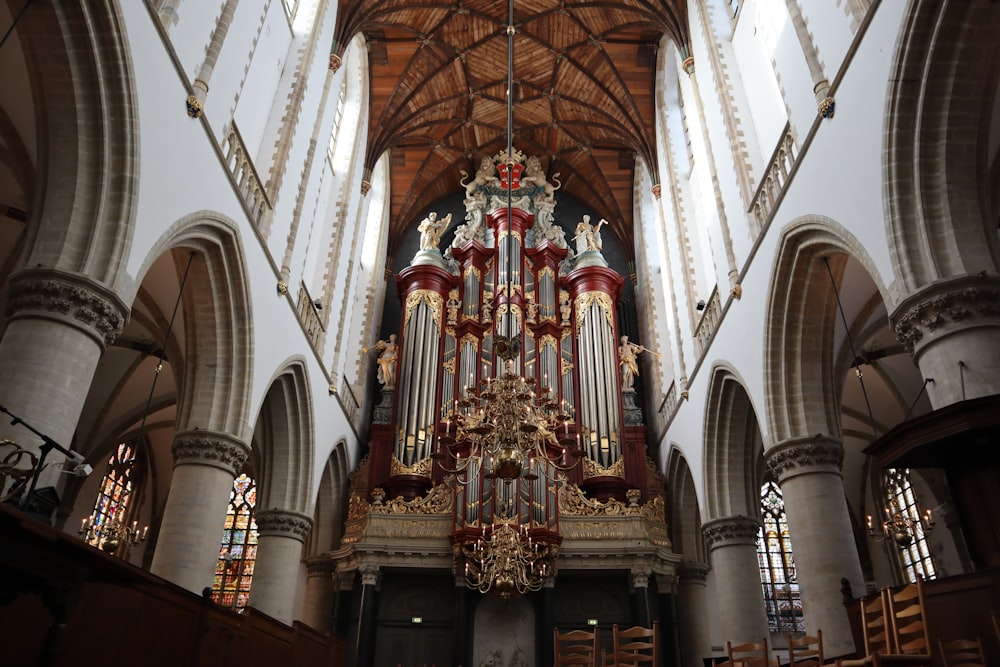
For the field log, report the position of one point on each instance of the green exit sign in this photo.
(591, 621)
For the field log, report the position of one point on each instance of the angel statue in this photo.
(388, 354)
(431, 229)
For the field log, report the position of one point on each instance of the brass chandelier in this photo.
(507, 563)
(899, 526)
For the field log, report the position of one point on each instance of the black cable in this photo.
(14, 24)
(163, 348)
(854, 353)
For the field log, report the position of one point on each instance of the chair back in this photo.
(875, 625)
(576, 647)
(634, 647)
(749, 654)
(806, 651)
(909, 621)
(962, 653)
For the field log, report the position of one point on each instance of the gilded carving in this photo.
(421, 467)
(434, 303)
(474, 270)
(449, 365)
(547, 340)
(566, 367)
(439, 500)
(573, 502)
(584, 302)
(547, 271)
(592, 469)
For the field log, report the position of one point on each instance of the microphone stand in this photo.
(48, 444)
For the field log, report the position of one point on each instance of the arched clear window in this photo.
(915, 558)
(777, 566)
(108, 524)
(238, 551)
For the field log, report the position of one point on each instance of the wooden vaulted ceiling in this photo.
(583, 93)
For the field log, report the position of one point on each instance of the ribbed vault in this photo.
(583, 90)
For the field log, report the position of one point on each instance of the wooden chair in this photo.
(635, 647)
(895, 629)
(962, 653)
(909, 620)
(576, 647)
(748, 654)
(806, 651)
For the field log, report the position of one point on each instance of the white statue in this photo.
(431, 229)
(588, 237)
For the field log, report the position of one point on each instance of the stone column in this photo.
(732, 542)
(819, 524)
(364, 648)
(952, 328)
(640, 597)
(190, 536)
(692, 605)
(281, 534)
(58, 326)
(318, 609)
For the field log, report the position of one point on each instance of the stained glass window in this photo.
(915, 558)
(238, 551)
(777, 566)
(112, 504)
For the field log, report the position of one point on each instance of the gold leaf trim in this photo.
(593, 469)
(439, 500)
(584, 302)
(421, 467)
(433, 300)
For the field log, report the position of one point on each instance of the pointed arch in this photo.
(734, 462)
(215, 325)
(86, 127)
(941, 222)
(284, 437)
(801, 384)
(685, 513)
(331, 502)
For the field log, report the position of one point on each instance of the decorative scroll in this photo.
(573, 502)
(567, 367)
(439, 500)
(421, 467)
(357, 514)
(547, 340)
(592, 469)
(473, 269)
(434, 303)
(449, 365)
(583, 303)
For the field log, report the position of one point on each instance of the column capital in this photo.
(370, 573)
(640, 577)
(320, 566)
(944, 307)
(803, 456)
(283, 523)
(692, 572)
(731, 531)
(209, 448)
(69, 298)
